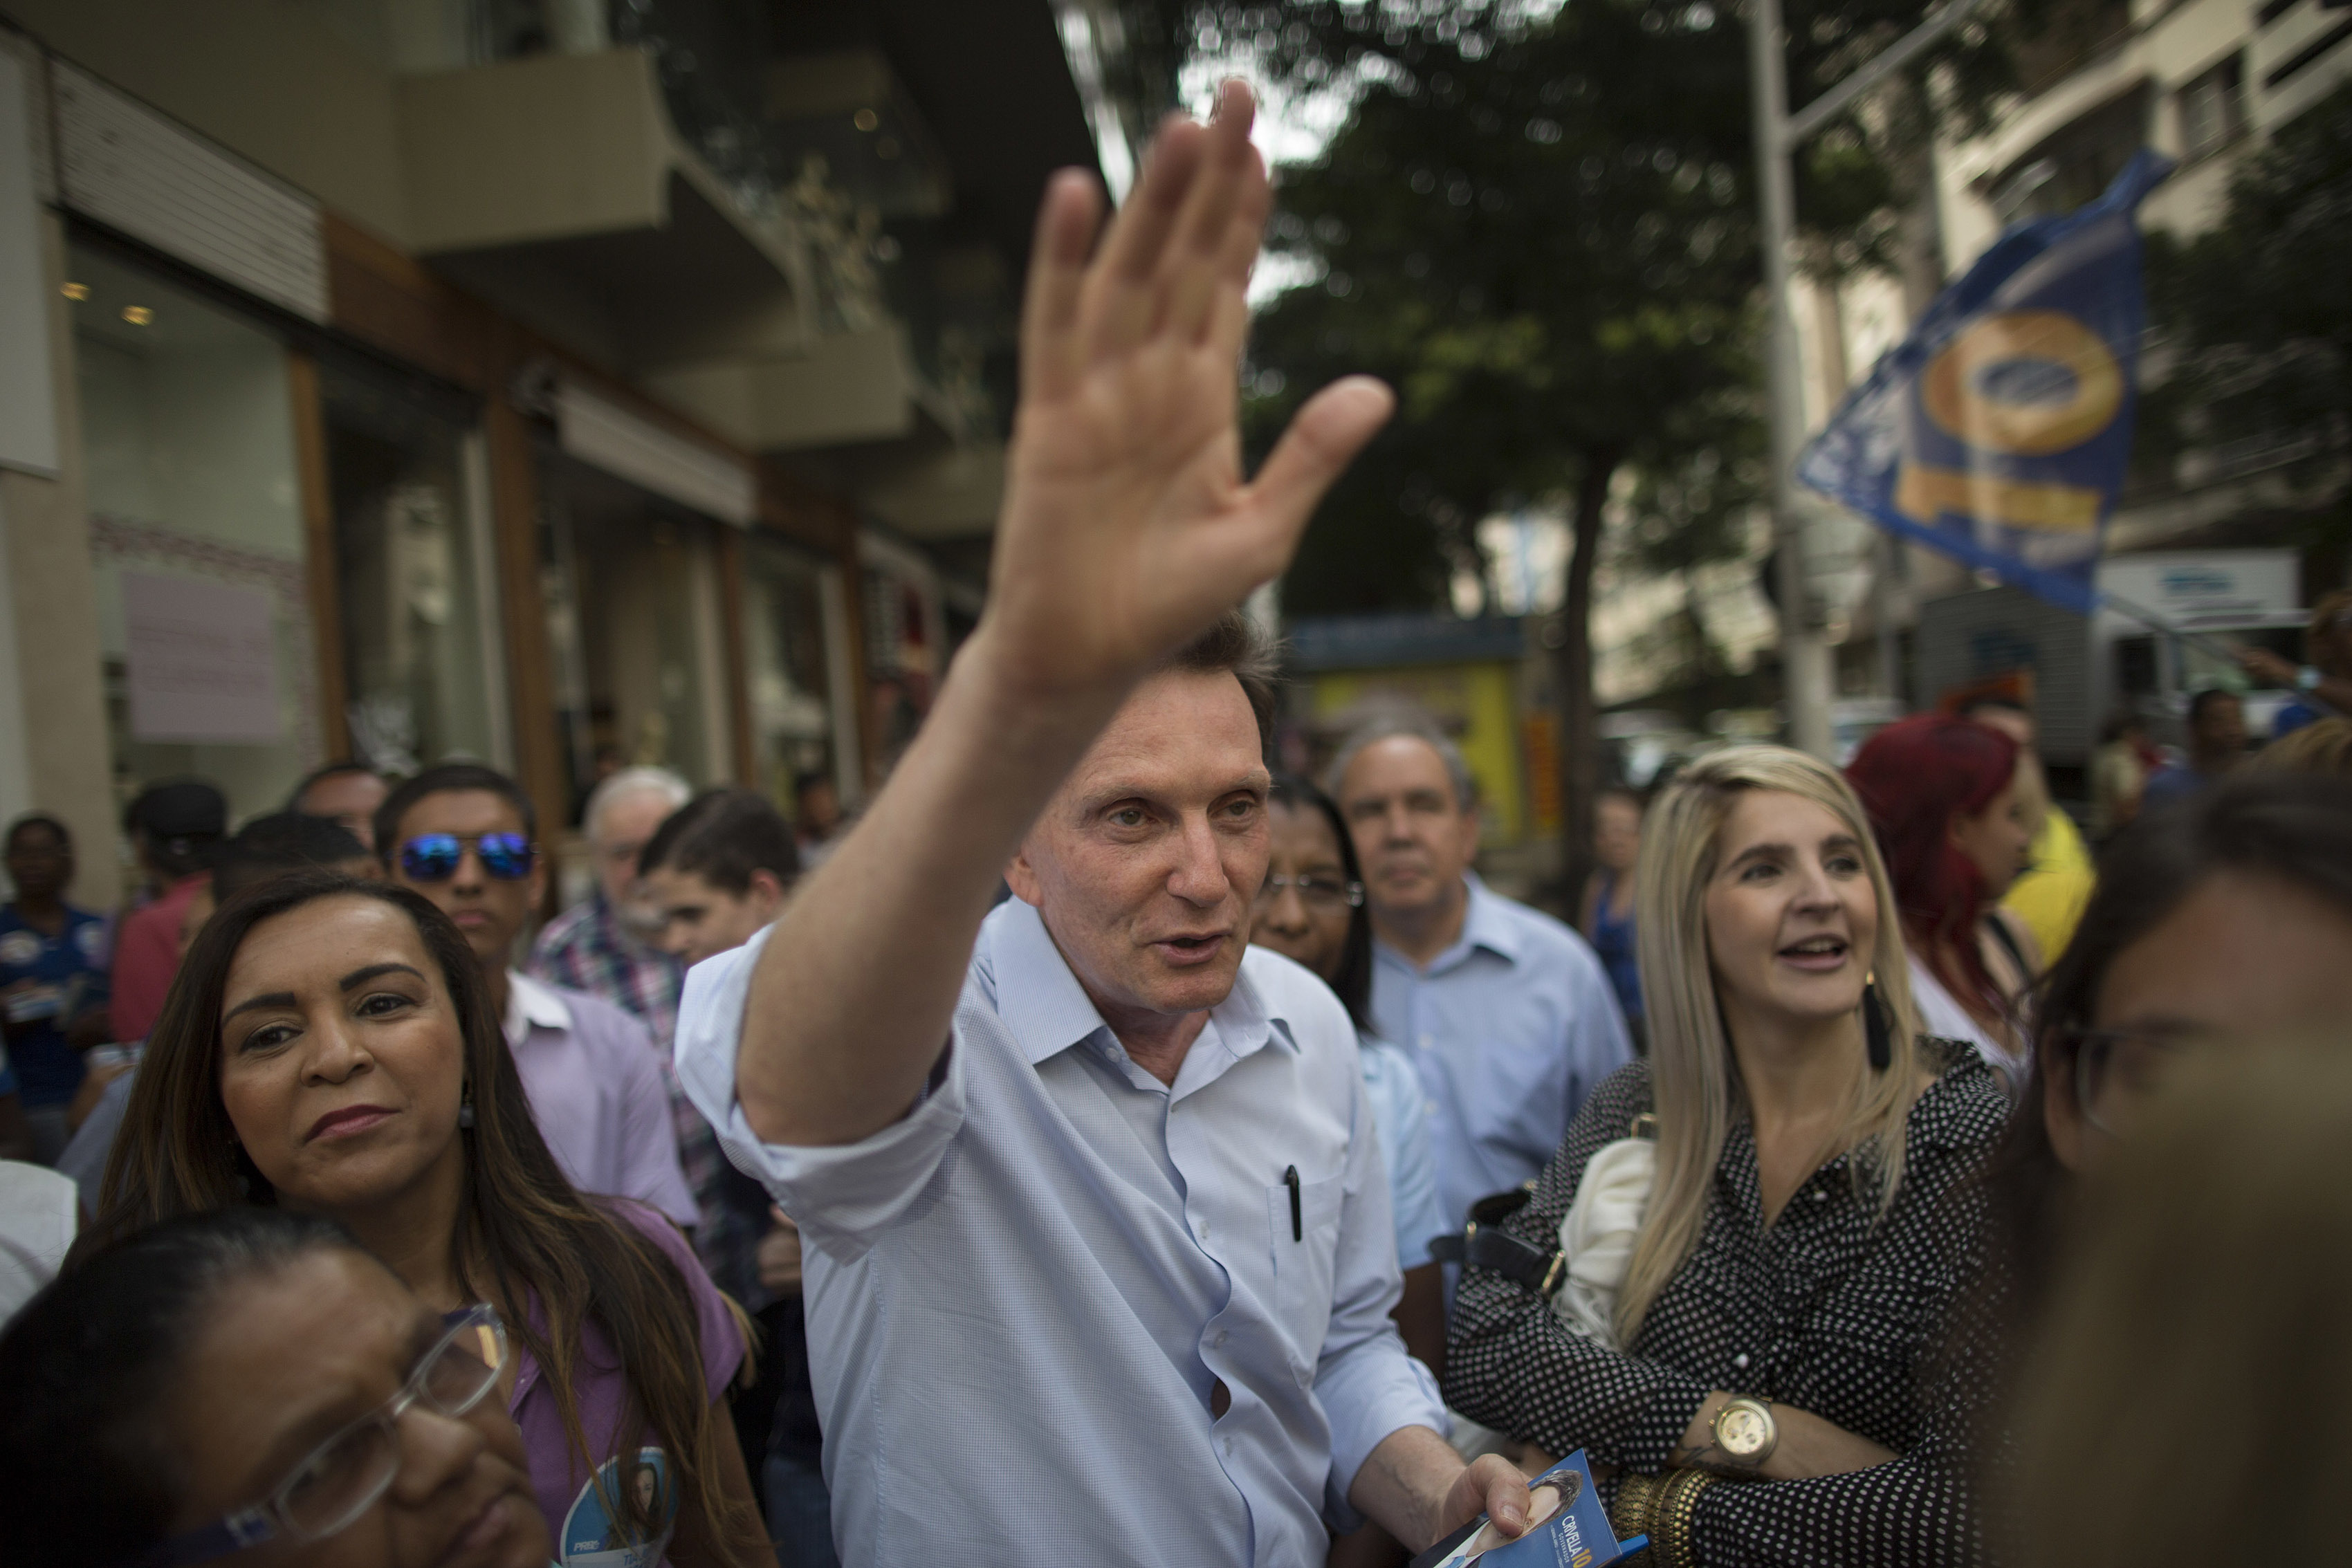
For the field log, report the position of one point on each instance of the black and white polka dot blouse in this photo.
(1832, 1310)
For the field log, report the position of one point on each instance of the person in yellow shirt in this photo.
(2049, 896)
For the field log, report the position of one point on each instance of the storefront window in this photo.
(904, 630)
(419, 643)
(196, 535)
(630, 588)
(784, 616)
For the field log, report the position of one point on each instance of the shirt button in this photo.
(1204, 1230)
(1740, 1361)
(1219, 1343)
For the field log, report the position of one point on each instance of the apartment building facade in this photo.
(564, 383)
(2207, 82)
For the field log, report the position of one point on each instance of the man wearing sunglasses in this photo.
(462, 835)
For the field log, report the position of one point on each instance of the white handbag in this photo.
(1596, 1237)
(1598, 1232)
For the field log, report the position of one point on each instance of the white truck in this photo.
(2088, 670)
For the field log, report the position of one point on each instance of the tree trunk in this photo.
(1579, 741)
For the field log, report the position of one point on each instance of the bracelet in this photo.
(1636, 1507)
(1671, 1530)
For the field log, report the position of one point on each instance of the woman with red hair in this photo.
(1953, 821)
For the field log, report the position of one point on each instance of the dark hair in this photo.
(180, 822)
(522, 1233)
(1914, 777)
(39, 820)
(447, 779)
(1354, 981)
(281, 841)
(320, 775)
(85, 1475)
(2236, 1155)
(1234, 644)
(723, 836)
(2295, 829)
(2323, 746)
(2204, 700)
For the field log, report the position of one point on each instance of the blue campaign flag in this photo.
(1998, 431)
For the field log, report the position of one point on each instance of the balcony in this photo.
(902, 398)
(833, 390)
(852, 153)
(802, 227)
(558, 187)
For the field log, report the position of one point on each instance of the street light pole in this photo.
(1804, 655)
(1805, 671)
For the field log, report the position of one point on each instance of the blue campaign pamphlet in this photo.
(1568, 1528)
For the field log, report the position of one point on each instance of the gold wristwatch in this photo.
(1745, 1431)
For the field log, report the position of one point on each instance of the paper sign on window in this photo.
(203, 660)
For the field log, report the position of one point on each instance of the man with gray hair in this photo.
(1507, 1012)
(597, 946)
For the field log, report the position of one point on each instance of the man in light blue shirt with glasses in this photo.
(1507, 1013)
(1099, 1257)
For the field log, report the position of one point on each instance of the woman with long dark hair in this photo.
(251, 1378)
(2240, 1151)
(328, 1049)
(2228, 915)
(1951, 804)
(1311, 910)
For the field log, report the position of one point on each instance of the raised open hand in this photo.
(1127, 525)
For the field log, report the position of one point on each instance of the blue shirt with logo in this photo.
(68, 972)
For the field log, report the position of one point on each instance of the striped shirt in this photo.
(585, 949)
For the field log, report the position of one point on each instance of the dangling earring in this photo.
(466, 1107)
(1875, 1028)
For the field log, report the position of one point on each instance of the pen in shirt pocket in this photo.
(1297, 1222)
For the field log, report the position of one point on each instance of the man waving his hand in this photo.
(1100, 1258)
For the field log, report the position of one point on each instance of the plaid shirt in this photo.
(585, 948)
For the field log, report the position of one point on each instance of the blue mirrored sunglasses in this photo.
(435, 857)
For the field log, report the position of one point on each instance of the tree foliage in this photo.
(1538, 225)
(1540, 228)
(2258, 313)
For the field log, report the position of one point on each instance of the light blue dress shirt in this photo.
(1021, 1295)
(1401, 1117)
(1511, 1027)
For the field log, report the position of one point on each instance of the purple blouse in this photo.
(584, 1536)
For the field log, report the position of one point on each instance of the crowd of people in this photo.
(1108, 1149)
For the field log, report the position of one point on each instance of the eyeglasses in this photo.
(1318, 892)
(2116, 1069)
(344, 1475)
(435, 857)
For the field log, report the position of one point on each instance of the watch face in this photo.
(1742, 1432)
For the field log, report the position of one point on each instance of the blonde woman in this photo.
(1808, 1217)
